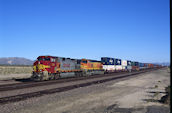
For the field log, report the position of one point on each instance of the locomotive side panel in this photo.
(91, 67)
(68, 67)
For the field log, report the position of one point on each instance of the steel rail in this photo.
(20, 97)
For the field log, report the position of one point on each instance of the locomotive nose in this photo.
(37, 66)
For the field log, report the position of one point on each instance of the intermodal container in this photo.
(108, 61)
(110, 68)
(141, 66)
(118, 67)
(128, 63)
(124, 64)
(150, 65)
(134, 63)
(117, 61)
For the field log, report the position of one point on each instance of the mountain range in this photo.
(15, 61)
(163, 63)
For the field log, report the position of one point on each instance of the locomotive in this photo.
(52, 67)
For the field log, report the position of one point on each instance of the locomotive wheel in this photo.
(76, 74)
(80, 74)
(51, 76)
(41, 78)
(56, 76)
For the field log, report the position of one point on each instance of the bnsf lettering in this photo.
(66, 65)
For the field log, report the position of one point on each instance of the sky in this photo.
(137, 30)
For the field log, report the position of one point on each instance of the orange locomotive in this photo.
(50, 67)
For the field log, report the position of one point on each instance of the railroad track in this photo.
(16, 86)
(20, 97)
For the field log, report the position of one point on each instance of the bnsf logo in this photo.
(66, 65)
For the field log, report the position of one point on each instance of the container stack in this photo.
(118, 65)
(141, 66)
(129, 65)
(124, 65)
(108, 64)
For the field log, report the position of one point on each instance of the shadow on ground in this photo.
(150, 109)
(23, 80)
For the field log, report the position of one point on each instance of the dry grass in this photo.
(5, 70)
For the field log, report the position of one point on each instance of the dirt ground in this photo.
(135, 95)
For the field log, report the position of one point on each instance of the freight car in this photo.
(141, 66)
(129, 67)
(135, 66)
(150, 65)
(118, 65)
(108, 64)
(50, 67)
(124, 65)
(115, 65)
(146, 65)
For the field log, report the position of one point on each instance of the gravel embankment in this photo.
(128, 96)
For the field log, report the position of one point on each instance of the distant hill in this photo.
(15, 61)
(164, 63)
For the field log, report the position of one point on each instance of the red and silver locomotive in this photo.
(50, 67)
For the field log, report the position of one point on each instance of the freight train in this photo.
(52, 67)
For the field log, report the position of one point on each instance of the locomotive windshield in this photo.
(84, 61)
(43, 59)
(39, 59)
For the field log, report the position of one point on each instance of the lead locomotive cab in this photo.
(45, 68)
